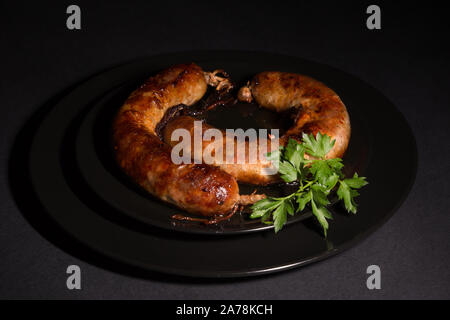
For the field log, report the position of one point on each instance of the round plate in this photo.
(85, 202)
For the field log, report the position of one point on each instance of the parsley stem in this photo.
(285, 198)
(303, 187)
(300, 190)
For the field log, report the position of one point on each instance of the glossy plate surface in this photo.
(75, 179)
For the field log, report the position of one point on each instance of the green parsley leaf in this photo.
(321, 170)
(260, 208)
(295, 153)
(280, 216)
(335, 164)
(288, 172)
(266, 218)
(317, 147)
(321, 214)
(257, 213)
(289, 207)
(302, 200)
(344, 193)
(356, 182)
(265, 204)
(319, 194)
(331, 181)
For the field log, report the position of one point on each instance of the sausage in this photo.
(250, 172)
(319, 109)
(197, 188)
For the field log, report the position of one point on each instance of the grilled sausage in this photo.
(319, 109)
(245, 171)
(198, 188)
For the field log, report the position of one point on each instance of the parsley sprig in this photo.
(317, 177)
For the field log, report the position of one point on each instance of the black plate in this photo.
(83, 192)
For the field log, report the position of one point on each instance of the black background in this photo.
(407, 60)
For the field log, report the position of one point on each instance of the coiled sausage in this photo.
(318, 109)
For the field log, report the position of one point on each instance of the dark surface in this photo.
(406, 60)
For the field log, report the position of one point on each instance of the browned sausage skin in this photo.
(198, 188)
(248, 172)
(319, 110)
